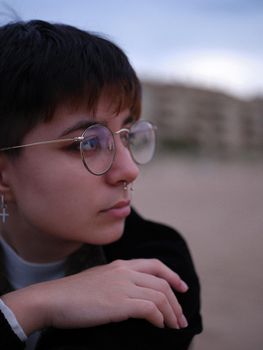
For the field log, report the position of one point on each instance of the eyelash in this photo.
(75, 146)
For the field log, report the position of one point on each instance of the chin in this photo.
(109, 234)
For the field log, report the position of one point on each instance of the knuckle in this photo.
(165, 286)
(161, 300)
(156, 262)
(149, 309)
(118, 263)
(119, 267)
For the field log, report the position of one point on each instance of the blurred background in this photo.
(201, 65)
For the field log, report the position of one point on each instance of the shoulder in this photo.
(148, 239)
(149, 227)
(144, 238)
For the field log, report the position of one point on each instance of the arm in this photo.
(135, 289)
(142, 239)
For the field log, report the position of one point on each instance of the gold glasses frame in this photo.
(82, 138)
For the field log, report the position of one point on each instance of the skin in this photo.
(55, 205)
(61, 187)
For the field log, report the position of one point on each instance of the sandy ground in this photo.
(218, 207)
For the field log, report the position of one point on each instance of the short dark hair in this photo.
(43, 65)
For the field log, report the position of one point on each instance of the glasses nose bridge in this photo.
(124, 139)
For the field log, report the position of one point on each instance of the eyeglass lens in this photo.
(98, 146)
(142, 142)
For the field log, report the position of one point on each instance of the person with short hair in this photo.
(80, 268)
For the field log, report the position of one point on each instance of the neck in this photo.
(21, 273)
(33, 248)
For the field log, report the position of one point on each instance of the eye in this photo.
(90, 144)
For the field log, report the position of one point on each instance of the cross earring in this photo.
(4, 213)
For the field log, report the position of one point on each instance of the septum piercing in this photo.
(125, 186)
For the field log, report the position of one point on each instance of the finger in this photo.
(157, 268)
(147, 310)
(162, 303)
(161, 285)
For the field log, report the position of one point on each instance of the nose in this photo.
(123, 168)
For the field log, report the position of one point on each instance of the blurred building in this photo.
(204, 121)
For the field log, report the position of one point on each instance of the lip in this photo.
(119, 210)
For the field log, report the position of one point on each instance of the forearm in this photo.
(12, 321)
(139, 288)
(26, 307)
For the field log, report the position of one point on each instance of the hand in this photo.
(139, 288)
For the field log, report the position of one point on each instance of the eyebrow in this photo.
(84, 124)
(80, 125)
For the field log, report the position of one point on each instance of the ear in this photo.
(5, 187)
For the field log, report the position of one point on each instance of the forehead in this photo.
(105, 112)
(68, 118)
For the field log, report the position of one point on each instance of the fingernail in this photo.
(183, 321)
(177, 326)
(184, 286)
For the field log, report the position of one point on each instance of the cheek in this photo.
(64, 201)
(64, 195)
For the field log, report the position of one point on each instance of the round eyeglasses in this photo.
(98, 147)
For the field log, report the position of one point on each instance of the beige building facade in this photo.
(204, 121)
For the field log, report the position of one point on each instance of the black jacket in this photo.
(141, 239)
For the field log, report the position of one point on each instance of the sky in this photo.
(210, 43)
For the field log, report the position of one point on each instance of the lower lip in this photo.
(119, 213)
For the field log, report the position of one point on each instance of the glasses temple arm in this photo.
(75, 139)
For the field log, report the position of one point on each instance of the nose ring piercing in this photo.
(125, 185)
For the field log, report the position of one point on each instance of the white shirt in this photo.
(20, 274)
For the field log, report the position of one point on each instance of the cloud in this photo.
(234, 72)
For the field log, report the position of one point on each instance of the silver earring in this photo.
(4, 213)
(125, 185)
